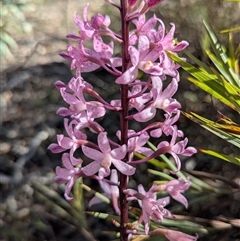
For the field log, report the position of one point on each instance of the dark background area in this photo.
(32, 204)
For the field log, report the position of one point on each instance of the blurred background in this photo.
(32, 33)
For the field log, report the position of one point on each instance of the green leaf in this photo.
(8, 40)
(208, 82)
(203, 66)
(215, 128)
(238, 1)
(185, 225)
(230, 30)
(231, 58)
(215, 89)
(220, 55)
(220, 66)
(160, 174)
(234, 94)
(153, 161)
(97, 194)
(101, 215)
(5, 51)
(195, 72)
(222, 156)
(105, 216)
(65, 209)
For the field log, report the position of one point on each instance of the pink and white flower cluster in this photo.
(147, 47)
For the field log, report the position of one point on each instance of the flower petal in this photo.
(92, 153)
(123, 167)
(145, 115)
(66, 161)
(68, 189)
(55, 148)
(119, 153)
(91, 168)
(128, 76)
(103, 143)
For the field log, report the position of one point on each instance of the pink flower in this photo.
(161, 100)
(79, 58)
(89, 29)
(137, 99)
(151, 206)
(105, 157)
(132, 2)
(144, 28)
(152, 3)
(175, 189)
(73, 94)
(167, 126)
(87, 60)
(69, 174)
(173, 235)
(160, 41)
(177, 148)
(110, 191)
(168, 43)
(142, 58)
(136, 143)
(75, 139)
(169, 68)
(97, 26)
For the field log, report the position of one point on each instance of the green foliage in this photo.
(12, 20)
(222, 81)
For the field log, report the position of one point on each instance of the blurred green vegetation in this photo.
(13, 22)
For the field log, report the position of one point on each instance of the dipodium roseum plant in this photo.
(145, 43)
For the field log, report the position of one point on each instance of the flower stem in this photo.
(123, 120)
